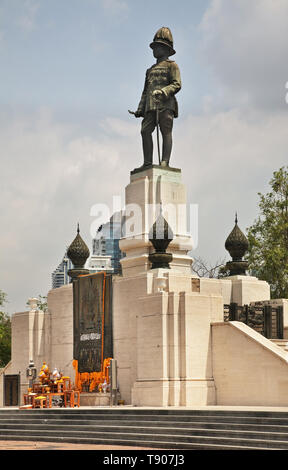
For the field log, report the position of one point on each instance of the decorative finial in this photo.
(237, 245)
(160, 235)
(78, 252)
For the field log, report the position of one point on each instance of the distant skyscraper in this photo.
(106, 252)
(60, 275)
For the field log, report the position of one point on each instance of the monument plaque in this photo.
(92, 321)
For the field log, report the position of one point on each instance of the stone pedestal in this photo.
(147, 189)
(162, 339)
(237, 289)
(161, 333)
(246, 289)
(173, 349)
(94, 399)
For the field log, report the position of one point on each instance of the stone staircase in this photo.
(152, 428)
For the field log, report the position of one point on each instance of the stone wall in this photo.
(248, 369)
(239, 289)
(42, 336)
(60, 307)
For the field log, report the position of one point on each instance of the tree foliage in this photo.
(5, 333)
(268, 236)
(41, 303)
(203, 268)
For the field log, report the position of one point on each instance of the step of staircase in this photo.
(154, 428)
(282, 343)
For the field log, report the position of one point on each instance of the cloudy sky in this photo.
(70, 70)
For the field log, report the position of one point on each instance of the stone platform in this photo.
(94, 399)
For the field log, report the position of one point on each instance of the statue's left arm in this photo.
(142, 105)
(175, 81)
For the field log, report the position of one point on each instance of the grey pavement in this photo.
(33, 445)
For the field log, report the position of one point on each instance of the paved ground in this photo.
(185, 408)
(32, 445)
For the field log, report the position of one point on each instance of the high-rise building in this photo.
(60, 275)
(106, 252)
(105, 256)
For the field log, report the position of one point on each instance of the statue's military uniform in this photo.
(164, 76)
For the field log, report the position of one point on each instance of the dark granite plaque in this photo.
(92, 304)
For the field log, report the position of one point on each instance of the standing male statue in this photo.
(158, 105)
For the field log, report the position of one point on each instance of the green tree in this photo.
(5, 333)
(268, 236)
(41, 303)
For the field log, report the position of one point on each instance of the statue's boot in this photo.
(166, 149)
(147, 145)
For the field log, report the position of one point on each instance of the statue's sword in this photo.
(157, 131)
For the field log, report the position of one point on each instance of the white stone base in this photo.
(162, 339)
(94, 399)
(246, 289)
(143, 195)
(198, 392)
(241, 290)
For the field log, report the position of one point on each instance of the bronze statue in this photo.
(158, 105)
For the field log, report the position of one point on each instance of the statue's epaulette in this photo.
(154, 65)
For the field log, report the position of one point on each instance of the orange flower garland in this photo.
(93, 379)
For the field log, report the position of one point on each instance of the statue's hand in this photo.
(136, 113)
(157, 95)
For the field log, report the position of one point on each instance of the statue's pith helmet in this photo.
(163, 36)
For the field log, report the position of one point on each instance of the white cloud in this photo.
(245, 43)
(115, 7)
(28, 19)
(120, 127)
(53, 173)
(227, 158)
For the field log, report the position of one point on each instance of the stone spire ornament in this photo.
(237, 245)
(78, 252)
(160, 235)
